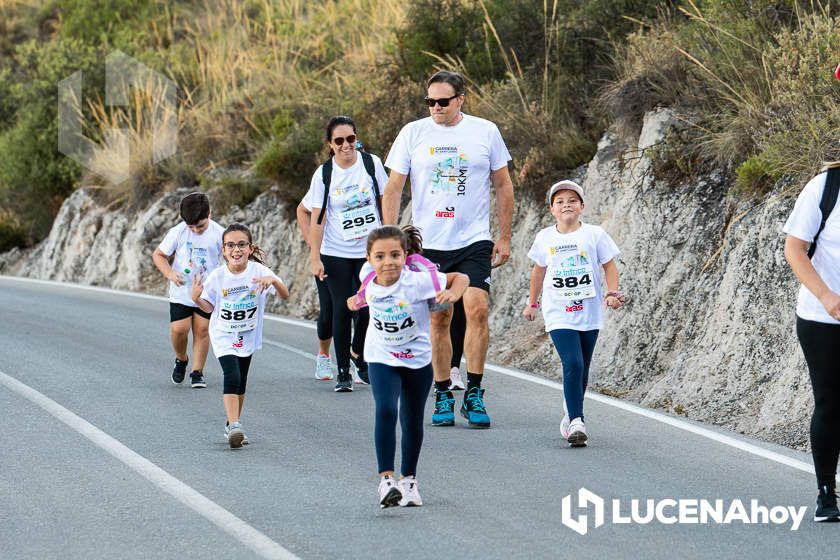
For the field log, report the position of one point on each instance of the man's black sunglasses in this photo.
(444, 102)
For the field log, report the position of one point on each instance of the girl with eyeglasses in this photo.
(344, 193)
(235, 295)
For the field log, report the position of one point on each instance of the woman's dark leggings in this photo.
(343, 281)
(819, 343)
(325, 310)
(575, 349)
(457, 329)
(410, 388)
(235, 371)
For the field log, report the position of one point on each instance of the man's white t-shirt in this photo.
(194, 254)
(237, 320)
(398, 331)
(449, 168)
(803, 224)
(351, 211)
(571, 291)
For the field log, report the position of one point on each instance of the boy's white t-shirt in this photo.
(449, 168)
(194, 253)
(351, 211)
(306, 201)
(237, 320)
(398, 331)
(571, 291)
(803, 224)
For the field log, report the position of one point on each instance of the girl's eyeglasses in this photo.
(242, 245)
(339, 141)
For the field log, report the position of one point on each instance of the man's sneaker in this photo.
(197, 380)
(577, 433)
(564, 426)
(473, 408)
(361, 367)
(411, 496)
(179, 371)
(345, 382)
(455, 381)
(323, 368)
(234, 435)
(444, 414)
(827, 505)
(389, 492)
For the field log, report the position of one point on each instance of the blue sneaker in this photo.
(444, 414)
(473, 408)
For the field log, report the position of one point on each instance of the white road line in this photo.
(635, 409)
(222, 518)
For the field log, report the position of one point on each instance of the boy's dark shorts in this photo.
(178, 311)
(474, 260)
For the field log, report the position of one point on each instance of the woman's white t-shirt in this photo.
(450, 169)
(351, 211)
(571, 290)
(803, 224)
(398, 332)
(194, 254)
(237, 320)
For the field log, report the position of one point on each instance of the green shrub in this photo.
(755, 176)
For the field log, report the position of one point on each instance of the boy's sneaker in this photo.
(444, 414)
(179, 371)
(323, 368)
(361, 367)
(389, 492)
(411, 496)
(473, 408)
(234, 435)
(577, 433)
(345, 382)
(197, 380)
(827, 505)
(564, 426)
(455, 381)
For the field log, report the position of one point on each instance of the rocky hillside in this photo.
(708, 332)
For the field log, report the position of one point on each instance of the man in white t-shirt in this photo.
(453, 159)
(193, 247)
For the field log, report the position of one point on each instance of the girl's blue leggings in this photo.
(575, 349)
(410, 388)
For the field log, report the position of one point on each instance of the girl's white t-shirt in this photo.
(237, 320)
(351, 211)
(571, 291)
(449, 168)
(398, 332)
(194, 253)
(803, 224)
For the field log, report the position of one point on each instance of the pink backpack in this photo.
(415, 262)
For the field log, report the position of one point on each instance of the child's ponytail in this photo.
(412, 240)
(409, 237)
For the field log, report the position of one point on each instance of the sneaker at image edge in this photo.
(361, 367)
(827, 510)
(577, 433)
(473, 408)
(197, 380)
(234, 435)
(244, 436)
(411, 496)
(564, 426)
(389, 492)
(179, 371)
(455, 381)
(323, 368)
(444, 414)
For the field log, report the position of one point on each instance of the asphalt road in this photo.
(306, 486)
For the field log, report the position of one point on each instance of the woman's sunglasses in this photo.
(444, 102)
(339, 141)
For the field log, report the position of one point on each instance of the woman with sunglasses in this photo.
(345, 208)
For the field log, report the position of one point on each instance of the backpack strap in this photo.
(326, 177)
(417, 263)
(360, 295)
(367, 159)
(827, 203)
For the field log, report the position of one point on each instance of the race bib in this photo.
(357, 223)
(238, 313)
(393, 322)
(571, 277)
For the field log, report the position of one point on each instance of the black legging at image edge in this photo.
(343, 281)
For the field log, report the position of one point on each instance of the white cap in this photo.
(564, 185)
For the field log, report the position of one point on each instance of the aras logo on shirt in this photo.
(448, 212)
(575, 307)
(404, 355)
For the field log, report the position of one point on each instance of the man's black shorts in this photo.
(474, 260)
(178, 311)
